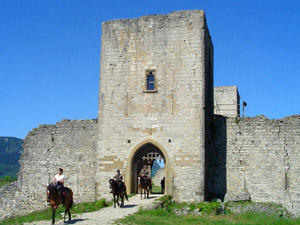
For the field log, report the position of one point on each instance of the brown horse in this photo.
(116, 191)
(146, 184)
(55, 200)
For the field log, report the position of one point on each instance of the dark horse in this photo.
(55, 200)
(146, 184)
(116, 191)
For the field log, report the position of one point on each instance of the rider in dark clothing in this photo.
(119, 178)
(162, 184)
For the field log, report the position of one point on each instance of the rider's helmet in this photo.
(118, 171)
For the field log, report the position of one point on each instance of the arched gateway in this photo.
(146, 153)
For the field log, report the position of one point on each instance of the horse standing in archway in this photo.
(55, 200)
(116, 191)
(146, 184)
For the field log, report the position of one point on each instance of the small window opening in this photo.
(169, 140)
(128, 141)
(150, 81)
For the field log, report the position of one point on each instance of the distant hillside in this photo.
(10, 152)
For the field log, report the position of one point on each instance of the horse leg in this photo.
(114, 201)
(122, 200)
(141, 190)
(66, 210)
(69, 214)
(118, 200)
(145, 193)
(53, 214)
(148, 190)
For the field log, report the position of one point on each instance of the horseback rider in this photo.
(144, 172)
(59, 184)
(119, 178)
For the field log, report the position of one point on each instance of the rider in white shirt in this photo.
(59, 184)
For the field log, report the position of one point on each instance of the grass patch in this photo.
(164, 217)
(131, 195)
(47, 214)
(167, 215)
(156, 190)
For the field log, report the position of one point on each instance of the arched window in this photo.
(150, 81)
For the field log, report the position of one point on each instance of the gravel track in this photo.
(106, 215)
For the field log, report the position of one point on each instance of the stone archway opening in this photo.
(151, 156)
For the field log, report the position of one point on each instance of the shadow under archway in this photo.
(147, 155)
(136, 152)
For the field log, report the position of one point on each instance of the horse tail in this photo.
(126, 196)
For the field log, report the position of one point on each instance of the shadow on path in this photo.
(152, 197)
(74, 221)
(129, 206)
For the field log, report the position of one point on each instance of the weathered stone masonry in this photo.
(178, 48)
(69, 144)
(258, 159)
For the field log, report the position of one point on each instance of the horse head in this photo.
(50, 191)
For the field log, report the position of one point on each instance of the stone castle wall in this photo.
(175, 46)
(259, 160)
(71, 145)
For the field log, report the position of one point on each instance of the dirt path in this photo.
(106, 215)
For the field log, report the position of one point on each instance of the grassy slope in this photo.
(166, 216)
(163, 217)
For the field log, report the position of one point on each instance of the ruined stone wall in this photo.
(227, 101)
(70, 144)
(262, 160)
(173, 45)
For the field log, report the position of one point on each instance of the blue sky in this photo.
(50, 55)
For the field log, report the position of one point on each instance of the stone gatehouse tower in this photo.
(156, 95)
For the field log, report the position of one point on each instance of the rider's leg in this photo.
(120, 186)
(62, 196)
